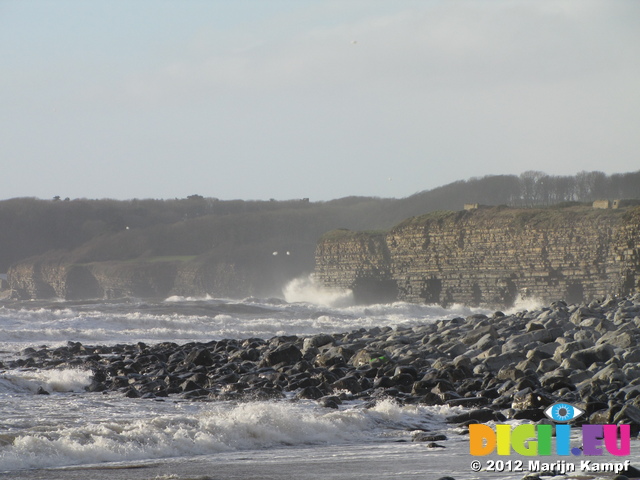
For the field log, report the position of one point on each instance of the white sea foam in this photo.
(41, 431)
(180, 298)
(29, 381)
(198, 429)
(185, 322)
(527, 303)
(307, 289)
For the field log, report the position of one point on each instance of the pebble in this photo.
(500, 367)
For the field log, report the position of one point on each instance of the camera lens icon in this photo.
(563, 412)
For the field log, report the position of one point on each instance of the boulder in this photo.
(481, 415)
(199, 357)
(349, 383)
(287, 354)
(369, 357)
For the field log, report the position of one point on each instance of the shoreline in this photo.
(511, 364)
(498, 367)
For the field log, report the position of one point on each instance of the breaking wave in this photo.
(307, 289)
(30, 381)
(188, 429)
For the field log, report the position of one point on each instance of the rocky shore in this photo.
(500, 366)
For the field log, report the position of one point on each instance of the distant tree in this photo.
(529, 188)
(94, 230)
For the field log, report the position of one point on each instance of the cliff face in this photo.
(489, 257)
(55, 276)
(44, 278)
(357, 260)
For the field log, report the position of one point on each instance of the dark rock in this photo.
(527, 399)
(467, 402)
(372, 358)
(198, 393)
(428, 437)
(495, 363)
(313, 393)
(480, 415)
(477, 333)
(600, 353)
(349, 383)
(189, 386)
(431, 399)
(628, 414)
(403, 379)
(331, 401)
(509, 373)
(632, 472)
(97, 387)
(131, 393)
(407, 369)
(199, 356)
(317, 341)
(421, 387)
(287, 354)
(556, 380)
(333, 356)
(534, 414)
(264, 393)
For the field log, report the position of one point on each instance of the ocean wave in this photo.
(177, 431)
(30, 381)
(212, 319)
(307, 289)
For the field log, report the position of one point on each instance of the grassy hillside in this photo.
(198, 229)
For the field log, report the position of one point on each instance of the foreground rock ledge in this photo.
(502, 366)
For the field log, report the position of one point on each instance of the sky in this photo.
(286, 99)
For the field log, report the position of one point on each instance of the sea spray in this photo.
(307, 289)
(524, 303)
(129, 431)
(30, 381)
(183, 321)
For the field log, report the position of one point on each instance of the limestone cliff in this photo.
(488, 256)
(55, 275)
(42, 277)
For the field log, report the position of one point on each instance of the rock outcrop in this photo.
(43, 277)
(488, 256)
(54, 276)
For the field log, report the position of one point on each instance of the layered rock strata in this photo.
(51, 276)
(488, 257)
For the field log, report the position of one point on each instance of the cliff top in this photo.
(344, 233)
(550, 217)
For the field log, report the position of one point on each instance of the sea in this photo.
(75, 434)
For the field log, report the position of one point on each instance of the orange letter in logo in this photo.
(482, 439)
